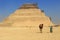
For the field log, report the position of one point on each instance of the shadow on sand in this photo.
(42, 32)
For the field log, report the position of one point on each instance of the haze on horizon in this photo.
(50, 7)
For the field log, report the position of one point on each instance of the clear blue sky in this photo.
(51, 8)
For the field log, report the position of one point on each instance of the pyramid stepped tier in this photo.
(28, 17)
(27, 13)
(25, 21)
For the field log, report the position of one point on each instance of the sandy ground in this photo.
(17, 33)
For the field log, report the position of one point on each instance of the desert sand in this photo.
(27, 33)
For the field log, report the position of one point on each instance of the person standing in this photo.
(51, 29)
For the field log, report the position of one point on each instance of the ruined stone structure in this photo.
(27, 15)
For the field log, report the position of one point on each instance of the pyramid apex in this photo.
(29, 6)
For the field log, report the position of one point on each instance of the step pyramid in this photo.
(27, 15)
